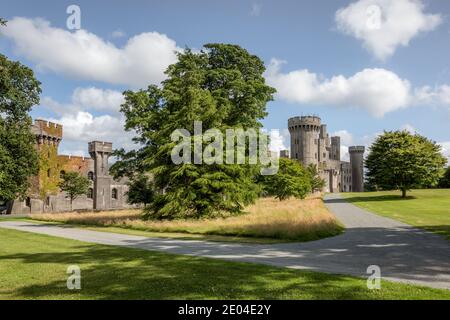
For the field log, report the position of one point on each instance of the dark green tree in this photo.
(222, 86)
(74, 185)
(401, 160)
(317, 183)
(141, 190)
(19, 91)
(3, 22)
(291, 180)
(444, 182)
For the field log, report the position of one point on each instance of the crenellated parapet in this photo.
(47, 133)
(305, 123)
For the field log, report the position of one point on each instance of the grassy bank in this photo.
(34, 266)
(428, 209)
(268, 218)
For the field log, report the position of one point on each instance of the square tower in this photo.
(101, 151)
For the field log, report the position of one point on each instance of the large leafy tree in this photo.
(401, 160)
(222, 86)
(74, 185)
(291, 180)
(19, 91)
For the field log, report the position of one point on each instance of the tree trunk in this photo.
(403, 193)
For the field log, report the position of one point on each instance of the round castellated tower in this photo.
(304, 132)
(357, 165)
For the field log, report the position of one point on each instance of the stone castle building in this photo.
(44, 194)
(311, 144)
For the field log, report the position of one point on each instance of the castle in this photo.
(44, 195)
(311, 144)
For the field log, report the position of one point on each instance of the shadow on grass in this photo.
(117, 273)
(390, 197)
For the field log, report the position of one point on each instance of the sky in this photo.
(363, 66)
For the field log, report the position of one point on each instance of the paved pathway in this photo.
(403, 253)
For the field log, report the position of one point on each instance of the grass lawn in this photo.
(34, 266)
(267, 221)
(428, 209)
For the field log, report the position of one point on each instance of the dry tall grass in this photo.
(292, 219)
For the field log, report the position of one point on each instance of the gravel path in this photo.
(403, 253)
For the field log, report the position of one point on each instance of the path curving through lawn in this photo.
(403, 253)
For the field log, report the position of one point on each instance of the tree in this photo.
(3, 22)
(292, 180)
(445, 179)
(317, 183)
(401, 160)
(74, 185)
(141, 190)
(19, 91)
(222, 86)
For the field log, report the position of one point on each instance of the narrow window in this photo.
(91, 175)
(114, 193)
(48, 173)
(90, 193)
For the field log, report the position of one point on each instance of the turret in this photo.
(304, 133)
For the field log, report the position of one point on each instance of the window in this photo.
(48, 173)
(47, 201)
(62, 174)
(28, 202)
(91, 175)
(114, 193)
(90, 193)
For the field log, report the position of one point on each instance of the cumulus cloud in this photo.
(81, 126)
(385, 25)
(438, 96)
(377, 91)
(98, 99)
(84, 55)
(277, 141)
(118, 34)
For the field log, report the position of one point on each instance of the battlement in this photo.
(100, 146)
(48, 129)
(304, 122)
(356, 149)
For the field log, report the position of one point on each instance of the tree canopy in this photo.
(401, 160)
(19, 91)
(291, 180)
(223, 87)
(74, 185)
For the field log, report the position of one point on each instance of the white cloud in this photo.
(84, 55)
(438, 96)
(384, 25)
(277, 141)
(98, 99)
(118, 34)
(83, 99)
(80, 126)
(446, 150)
(377, 91)
(346, 137)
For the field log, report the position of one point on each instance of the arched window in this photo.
(28, 202)
(114, 193)
(91, 175)
(62, 174)
(90, 193)
(47, 201)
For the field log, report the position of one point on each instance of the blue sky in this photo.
(359, 81)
